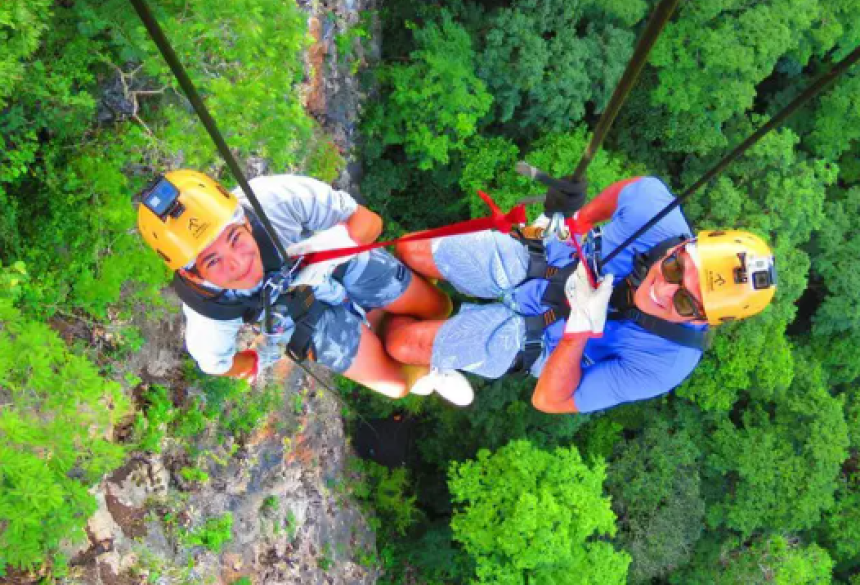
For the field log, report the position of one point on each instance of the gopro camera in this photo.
(162, 199)
(762, 272)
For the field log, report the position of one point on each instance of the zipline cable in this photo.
(190, 91)
(810, 92)
(567, 195)
(188, 88)
(655, 26)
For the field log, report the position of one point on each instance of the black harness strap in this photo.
(214, 303)
(621, 304)
(553, 297)
(305, 311)
(675, 332)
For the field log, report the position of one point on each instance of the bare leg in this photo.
(410, 341)
(421, 299)
(374, 368)
(419, 257)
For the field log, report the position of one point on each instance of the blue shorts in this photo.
(481, 339)
(372, 280)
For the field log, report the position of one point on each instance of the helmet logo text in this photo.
(196, 227)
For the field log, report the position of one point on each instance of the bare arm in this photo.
(604, 205)
(364, 226)
(560, 377)
(244, 365)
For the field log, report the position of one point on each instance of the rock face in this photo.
(285, 488)
(346, 39)
(292, 521)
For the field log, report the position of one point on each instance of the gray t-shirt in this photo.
(297, 207)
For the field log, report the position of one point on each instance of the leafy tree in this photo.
(836, 124)
(777, 559)
(708, 64)
(541, 71)
(840, 528)
(835, 322)
(529, 516)
(56, 414)
(440, 72)
(805, 437)
(655, 486)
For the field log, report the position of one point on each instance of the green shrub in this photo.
(213, 534)
(56, 414)
(440, 72)
(527, 515)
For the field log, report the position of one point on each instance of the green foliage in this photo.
(389, 493)
(543, 64)
(151, 424)
(777, 560)
(440, 72)
(835, 323)
(709, 62)
(656, 491)
(837, 119)
(213, 534)
(194, 474)
(527, 515)
(806, 439)
(840, 529)
(56, 412)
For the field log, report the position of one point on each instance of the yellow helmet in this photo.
(182, 213)
(737, 274)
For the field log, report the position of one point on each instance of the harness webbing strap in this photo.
(675, 332)
(497, 220)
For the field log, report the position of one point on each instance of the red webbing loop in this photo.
(497, 220)
(592, 280)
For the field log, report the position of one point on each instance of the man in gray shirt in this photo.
(222, 259)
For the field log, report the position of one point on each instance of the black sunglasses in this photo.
(685, 303)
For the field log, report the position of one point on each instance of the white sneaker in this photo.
(423, 386)
(455, 388)
(450, 385)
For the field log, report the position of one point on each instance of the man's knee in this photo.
(418, 256)
(410, 341)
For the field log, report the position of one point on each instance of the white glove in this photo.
(332, 238)
(541, 222)
(588, 306)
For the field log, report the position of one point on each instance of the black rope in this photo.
(188, 88)
(178, 70)
(655, 26)
(814, 89)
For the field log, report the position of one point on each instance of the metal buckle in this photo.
(280, 282)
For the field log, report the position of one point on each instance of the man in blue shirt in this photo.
(659, 293)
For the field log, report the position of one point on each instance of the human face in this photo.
(656, 294)
(232, 260)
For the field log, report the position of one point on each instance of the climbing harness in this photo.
(621, 303)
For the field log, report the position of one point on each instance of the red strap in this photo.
(592, 280)
(497, 220)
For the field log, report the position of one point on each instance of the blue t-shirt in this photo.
(627, 363)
